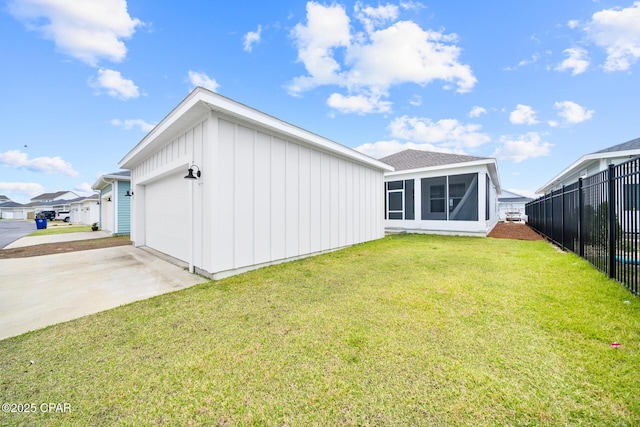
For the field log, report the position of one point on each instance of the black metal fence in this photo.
(597, 218)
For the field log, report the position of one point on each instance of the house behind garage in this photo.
(441, 193)
(115, 202)
(227, 188)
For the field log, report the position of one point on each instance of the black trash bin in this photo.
(41, 223)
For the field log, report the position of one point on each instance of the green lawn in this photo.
(408, 330)
(60, 228)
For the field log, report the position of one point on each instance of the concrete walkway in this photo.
(40, 291)
(55, 238)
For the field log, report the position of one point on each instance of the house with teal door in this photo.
(115, 202)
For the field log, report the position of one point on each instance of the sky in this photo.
(535, 84)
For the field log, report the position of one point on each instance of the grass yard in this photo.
(60, 228)
(408, 330)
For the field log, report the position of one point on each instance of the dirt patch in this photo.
(63, 247)
(514, 230)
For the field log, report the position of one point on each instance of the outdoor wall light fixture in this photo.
(190, 175)
(128, 193)
(109, 199)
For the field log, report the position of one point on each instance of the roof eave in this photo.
(202, 100)
(105, 180)
(490, 163)
(581, 162)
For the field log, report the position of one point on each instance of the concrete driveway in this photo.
(45, 290)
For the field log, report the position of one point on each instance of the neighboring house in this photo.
(115, 202)
(14, 210)
(58, 201)
(593, 163)
(4, 199)
(52, 197)
(441, 193)
(258, 191)
(511, 202)
(85, 210)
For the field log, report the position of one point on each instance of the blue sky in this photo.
(536, 84)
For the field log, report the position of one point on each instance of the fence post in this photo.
(580, 220)
(562, 220)
(612, 221)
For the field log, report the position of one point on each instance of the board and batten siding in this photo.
(168, 160)
(280, 199)
(178, 150)
(264, 196)
(124, 208)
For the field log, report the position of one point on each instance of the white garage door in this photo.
(167, 213)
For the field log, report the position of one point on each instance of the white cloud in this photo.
(375, 17)
(29, 189)
(251, 38)
(416, 100)
(359, 104)
(129, 124)
(534, 58)
(405, 53)
(577, 62)
(86, 30)
(85, 189)
(48, 165)
(327, 29)
(371, 62)
(447, 133)
(617, 31)
(114, 84)
(573, 24)
(380, 149)
(412, 5)
(523, 114)
(201, 79)
(477, 111)
(572, 113)
(527, 146)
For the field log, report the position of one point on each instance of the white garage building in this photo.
(263, 191)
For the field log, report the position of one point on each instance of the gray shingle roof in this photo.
(10, 205)
(121, 173)
(49, 196)
(416, 159)
(634, 144)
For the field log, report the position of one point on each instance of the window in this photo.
(463, 197)
(456, 193)
(395, 201)
(452, 198)
(400, 199)
(434, 198)
(631, 197)
(409, 199)
(487, 201)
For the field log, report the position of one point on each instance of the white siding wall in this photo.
(172, 159)
(278, 199)
(261, 198)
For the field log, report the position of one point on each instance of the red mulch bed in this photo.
(62, 247)
(514, 230)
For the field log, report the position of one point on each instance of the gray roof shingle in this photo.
(416, 159)
(634, 144)
(49, 196)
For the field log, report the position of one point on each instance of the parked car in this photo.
(63, 215)
(513, 216)
(50, 215)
